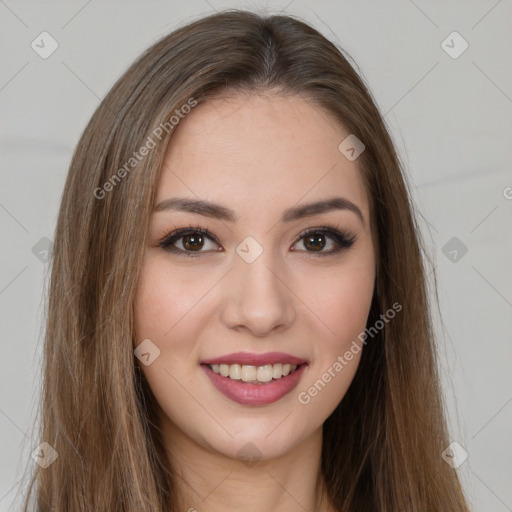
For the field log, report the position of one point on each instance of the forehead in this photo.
(259, 154)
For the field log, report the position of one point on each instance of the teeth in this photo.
(264, 373)
(277, 370)
(235, 371)
(249, 373)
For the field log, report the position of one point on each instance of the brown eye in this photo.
(315, 242)
(192, 242)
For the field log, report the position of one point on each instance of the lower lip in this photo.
(255, 394)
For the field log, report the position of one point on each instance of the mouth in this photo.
(255, 379)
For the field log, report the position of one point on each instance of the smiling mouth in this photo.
(254, 374)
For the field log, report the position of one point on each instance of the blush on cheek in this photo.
(163, 302)
(345, 311)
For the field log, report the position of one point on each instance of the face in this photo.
(235, 294)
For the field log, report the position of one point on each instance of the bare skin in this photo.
(258, 156)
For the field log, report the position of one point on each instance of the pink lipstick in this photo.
(255, 379)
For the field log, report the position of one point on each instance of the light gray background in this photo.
(450, 119)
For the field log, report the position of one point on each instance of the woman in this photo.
(238, 314)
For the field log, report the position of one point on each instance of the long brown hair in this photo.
(382, 445)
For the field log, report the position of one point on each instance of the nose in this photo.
(258, 297)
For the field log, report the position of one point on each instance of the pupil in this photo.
(192, 241)
(315, 239)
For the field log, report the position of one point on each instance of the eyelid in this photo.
(177, 233)
(342, 237)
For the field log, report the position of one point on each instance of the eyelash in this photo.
(343, 239)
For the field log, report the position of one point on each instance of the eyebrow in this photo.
(217, 211)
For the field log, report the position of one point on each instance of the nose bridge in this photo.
(258, 297)
(262, 274)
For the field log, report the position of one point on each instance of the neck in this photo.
(208, 481)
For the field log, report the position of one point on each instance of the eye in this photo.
(191, 240)
(316, 240)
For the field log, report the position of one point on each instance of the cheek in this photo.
(347, 308)
(342, 300)
(164, 299)
(166, 310)
(171, 310)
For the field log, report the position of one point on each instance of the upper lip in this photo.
(254, 359)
